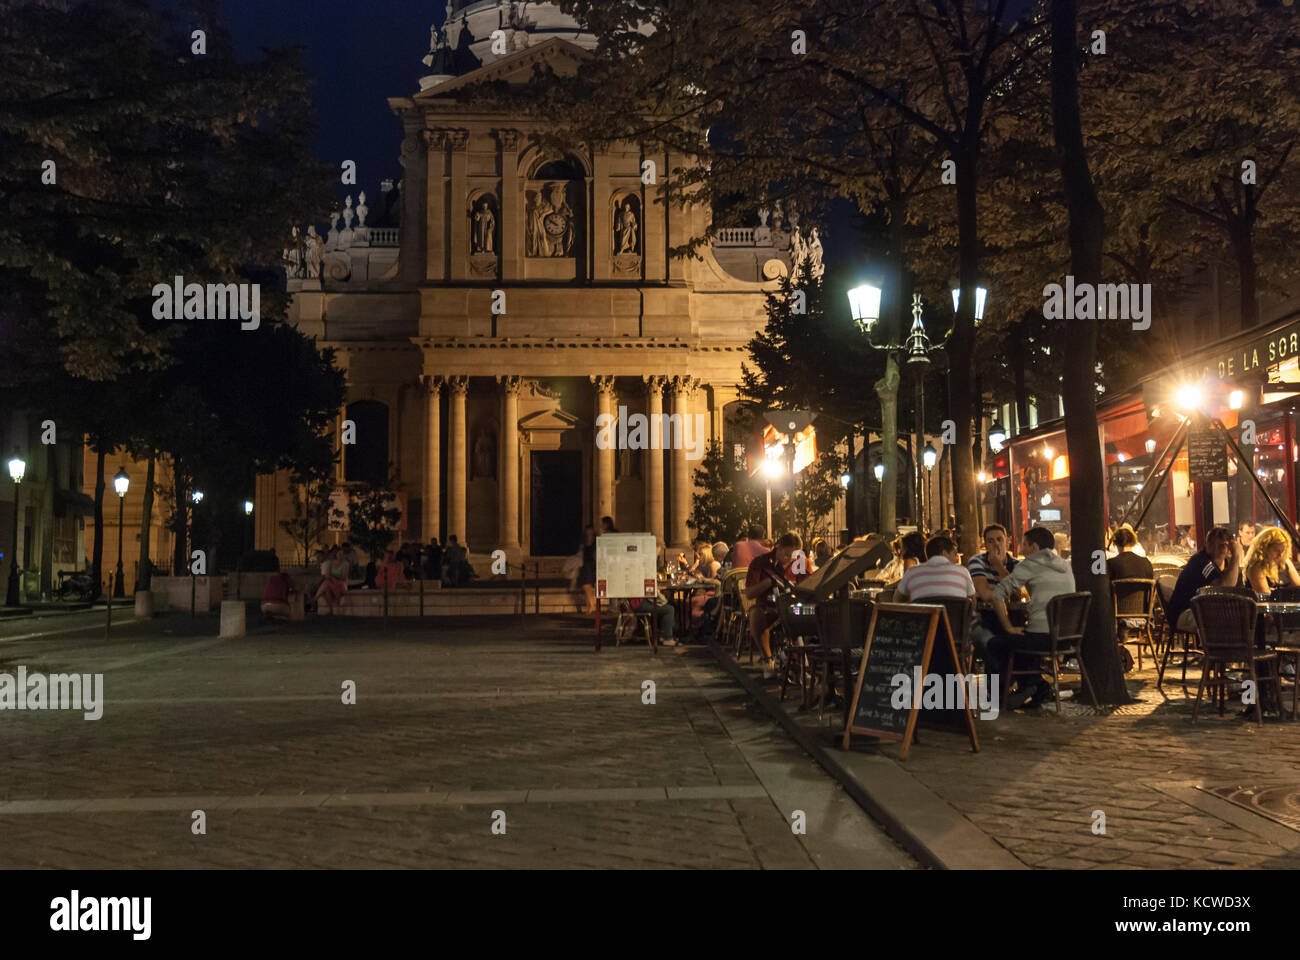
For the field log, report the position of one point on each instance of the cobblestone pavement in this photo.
(1038, 780)
(452, 723)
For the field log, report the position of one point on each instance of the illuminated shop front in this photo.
(1251, 379)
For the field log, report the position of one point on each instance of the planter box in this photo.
(175, 591)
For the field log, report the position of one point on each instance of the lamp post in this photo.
(249, 532)
(771, 470)
(196, 497)
(120, 483)
(929, 457)
(17, 467)
(864, 307)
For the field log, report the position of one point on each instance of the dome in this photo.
(470, 23)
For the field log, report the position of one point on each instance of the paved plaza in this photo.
(453, 722)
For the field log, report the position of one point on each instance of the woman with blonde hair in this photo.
(1268, 562)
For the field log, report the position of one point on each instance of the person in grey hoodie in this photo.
(1045, 575)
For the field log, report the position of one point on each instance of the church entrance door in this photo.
(556, 502)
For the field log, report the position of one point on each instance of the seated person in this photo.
(1128, 564)
(390, 573)
(768, 574)
(987, 569)
(1045, 575)
(1268, 562)
(821, 553)
(745, 550)
(334, 580)
(455, 561)
(1218, 564)
(939, 577)
(1246, 534)
(278, 595)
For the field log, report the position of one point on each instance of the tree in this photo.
(372, 520)
(311, 514)
(1087, 229)
(805, 509)
(724, 504)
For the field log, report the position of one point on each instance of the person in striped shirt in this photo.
(940, 576)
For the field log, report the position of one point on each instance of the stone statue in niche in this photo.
(485, 455)
(628, 229)
(485, 222)
(815, 267)
(315, 251)
(551, 223)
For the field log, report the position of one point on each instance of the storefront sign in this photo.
(1257, 356)
(1207, 456)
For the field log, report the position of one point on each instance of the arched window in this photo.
(366, 461)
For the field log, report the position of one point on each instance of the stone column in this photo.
(508, 468)
(432, 457)
(456, 476)
(456, 210)
(603, 500)
(435, 242)
(654, 460)
(511, 252)
(683, 392)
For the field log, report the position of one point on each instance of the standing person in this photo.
(1045, 575)
(747, 548)
(1219, 563)
(1246, 534)
(1268, 562)
(334, 583)
(433, 560)
(768, 574)
(455, 561)
(587, 573)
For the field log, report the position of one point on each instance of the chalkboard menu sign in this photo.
(900, 640)
(1207, 456)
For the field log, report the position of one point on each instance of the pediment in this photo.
(549, 420)
(515, 68)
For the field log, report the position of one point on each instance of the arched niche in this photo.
(555, 218)
(483, 233)
(627, 226)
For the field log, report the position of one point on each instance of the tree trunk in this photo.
(145, 568)
(180, 555)
(97, 551)
(47, 524)
(887, 391)
(963, 339)
(1022, 393)
(1087, 229)
(1243, 250)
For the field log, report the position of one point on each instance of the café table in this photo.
(1274, 610)
(680, 593)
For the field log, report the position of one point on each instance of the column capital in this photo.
(685, 386)
(457, 138)
(510, 385)
(458, 386)
(432, 383)
(654, 382)
(434, 139)
(509, 139)
(604, 385)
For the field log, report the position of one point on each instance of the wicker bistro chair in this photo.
(731, 617)
(960, 612)
(1067, 618)
(1164, 595)
(1226, 625)
(1135, 601)
(799, 623)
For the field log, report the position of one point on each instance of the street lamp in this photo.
(845, 480)
(864, 305)
(17, 467)
(772, 469)
(120, 483)
(980, 296)
(879, 471)
(929, 457)
(997, 436)
(197, 496)
(248, 508)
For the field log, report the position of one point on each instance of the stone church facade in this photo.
(507, 297)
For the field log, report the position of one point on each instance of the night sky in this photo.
(358, 55)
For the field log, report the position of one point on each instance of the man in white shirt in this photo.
(940, 576)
